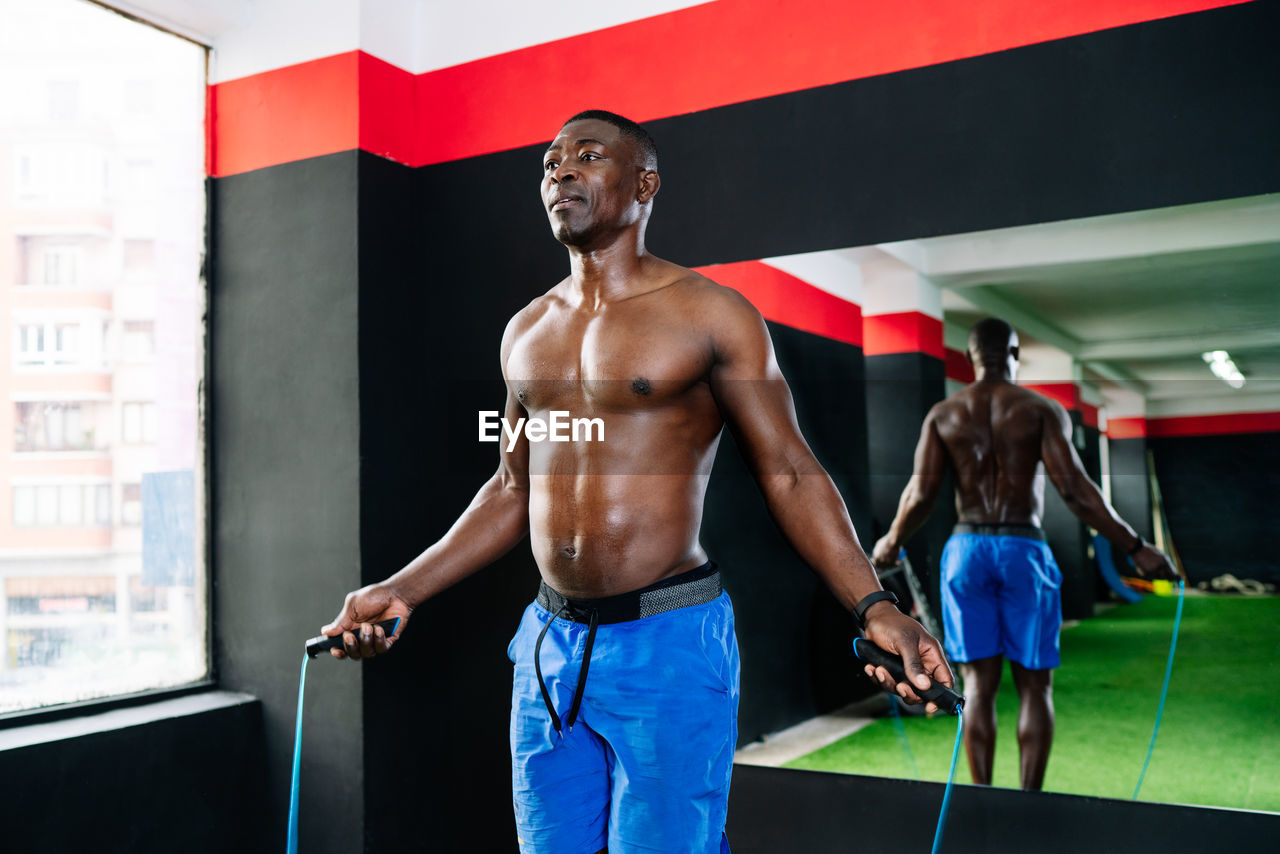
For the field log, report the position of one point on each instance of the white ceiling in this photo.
(253, 36)
(1132, 299)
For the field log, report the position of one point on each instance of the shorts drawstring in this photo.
(695, 587)
(582, 671)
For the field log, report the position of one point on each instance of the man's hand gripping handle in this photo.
(946, 699)
(320, 643)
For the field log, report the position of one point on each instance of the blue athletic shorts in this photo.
(646, 764)
(1001, 595)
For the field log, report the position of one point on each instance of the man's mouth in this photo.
(563, 202)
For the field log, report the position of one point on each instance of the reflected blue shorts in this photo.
(646, 764)
(1001, 595)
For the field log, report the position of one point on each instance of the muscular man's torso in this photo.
(993, 432)
(611, 516)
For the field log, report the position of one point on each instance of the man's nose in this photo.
(564, 172)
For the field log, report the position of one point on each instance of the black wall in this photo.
(192, 782)
(284, 434)
(1219, 498)
(1130, 493)
(1068, 536)
(901, 389)
(1130, 496)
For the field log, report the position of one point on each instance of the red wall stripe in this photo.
(305, 110)
(904, 332)
(785, 299)
(1089, 414)
(692, 59)
(1194, 425)
(1126, 428)
(388, 121)
(958, 367)
(1065, 393)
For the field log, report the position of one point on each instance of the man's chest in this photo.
(620, 359)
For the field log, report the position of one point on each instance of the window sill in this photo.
(90, 722)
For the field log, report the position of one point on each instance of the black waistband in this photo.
(695, 587)
(1031, 532)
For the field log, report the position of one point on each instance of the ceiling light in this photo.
(1219, 361)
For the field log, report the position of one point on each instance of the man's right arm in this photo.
(1086, 501)
(496, 520)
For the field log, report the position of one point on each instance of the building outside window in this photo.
(102, 577)
(138, 339)
(61, 264)
(59, 425)
(139, 423)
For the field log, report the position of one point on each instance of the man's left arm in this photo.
(756, 403)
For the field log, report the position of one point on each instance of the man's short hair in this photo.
(989, 339)
(644, 143)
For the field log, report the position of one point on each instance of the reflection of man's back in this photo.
(993, 434)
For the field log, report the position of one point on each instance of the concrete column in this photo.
(906, 376)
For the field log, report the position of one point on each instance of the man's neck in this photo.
(992, 374)
(599, 274)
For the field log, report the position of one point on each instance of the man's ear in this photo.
(649, 184)
(1013, 351)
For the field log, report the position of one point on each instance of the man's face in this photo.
(591, 182)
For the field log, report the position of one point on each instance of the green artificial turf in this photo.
(1219, 742)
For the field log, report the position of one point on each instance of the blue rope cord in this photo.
(1164, 692)
(951, 776)
(291, 842)
(902, 733)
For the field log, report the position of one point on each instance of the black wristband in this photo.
(860, 610)
(1137, 547)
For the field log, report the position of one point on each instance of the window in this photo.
(66, 343)
(61, 265)
(102, 583)
(30, 343)
(53, 505)
(57, 343)
(139, 424)
(56, 426)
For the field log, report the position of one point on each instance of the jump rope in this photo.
(314, 647)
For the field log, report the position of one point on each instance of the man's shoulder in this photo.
(697, 294)
(537, 308)
(980, 395)
(526, 318)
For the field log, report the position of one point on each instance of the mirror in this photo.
(1158, 330)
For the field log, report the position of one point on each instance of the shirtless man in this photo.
(631, 637)
(1000, 584)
